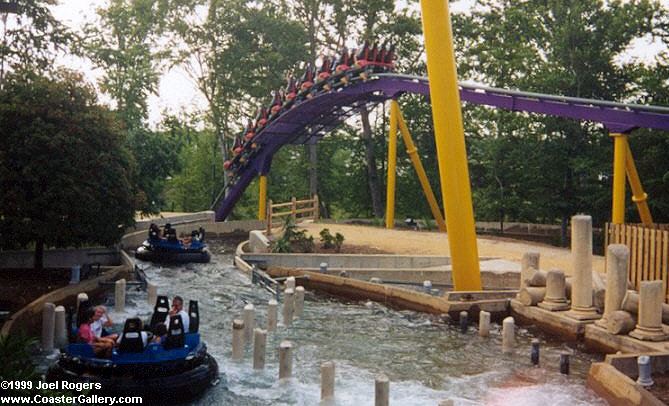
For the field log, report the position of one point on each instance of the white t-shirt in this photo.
(184, 318)
(97, 325)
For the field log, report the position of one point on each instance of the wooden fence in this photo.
(649, 251)
(297, 209)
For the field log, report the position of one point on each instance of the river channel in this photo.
(425, 359)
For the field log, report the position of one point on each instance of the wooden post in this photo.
(317, 208)
(293, 208)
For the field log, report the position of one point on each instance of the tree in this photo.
(64, 172)
(32, 37)
(126, 45)
(567, 48)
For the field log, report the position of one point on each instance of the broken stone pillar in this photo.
(508, 335)
(299, 301)
(237, 339)
(581, 253)
(616, 281)
(556, 288)
(48, 326)
(272, 314)
(60, 329)
(259, 346)
(327, 380)
(119, 296)
(288, 307)
(631, 304)
(649, 324)
(484, 323)
(249, 315)
(620, 322)
(529, 264)
(531, 296)
(382, 391)
(285, 360)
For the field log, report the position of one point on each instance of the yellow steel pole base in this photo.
(450, 139)
(618, 195)
(262, 197)
(392, 171)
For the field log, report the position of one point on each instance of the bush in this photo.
(330, 241)
(293, 240)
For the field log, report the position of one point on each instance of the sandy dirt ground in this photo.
(433, 243)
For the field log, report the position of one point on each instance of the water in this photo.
(426, 360)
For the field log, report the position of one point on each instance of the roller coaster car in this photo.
(179, 369)
(173, 250)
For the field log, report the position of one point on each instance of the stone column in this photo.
(119, 296)
(555, 299)
(60, 334)
(48, 326)
(290, 283)
(484, 323)
(299, 301)
(259, 346)
(581, 253)
(237, 339)
(152, 293)
(272, 314)
(327, 380)
(288, 307)
(249, 316)
(382, 391)
(649, 325)
(616, 281)
(508, 335)
(285, 360)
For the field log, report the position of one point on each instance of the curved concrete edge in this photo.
(617, 388)
(389, 295)
(28, 319)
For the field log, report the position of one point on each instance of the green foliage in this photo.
(32, 38)
(293, 240)
(64, 172)
(331, 241)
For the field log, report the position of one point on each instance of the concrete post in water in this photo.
(249, 315)
(463, 322)
(324, 267)
(75, 274)
(564, 362)
(259, 347)
(531, 295)
(288, 307)
(555, 299)
(152, 291)
(48, 326)
(285, 360)
(381, 391)
(60, 328)
(327, 380)
(581, 253)
(534, 355)
(119, 295)
(616, 281)
(299, 301)
(620, 322)
(290, 283)
(508, 335)
(649, 324)
(529, 264)
(645, 371)
(237, 339)
(81, 297)
(427, 287)
(272, 314)
(484, 323)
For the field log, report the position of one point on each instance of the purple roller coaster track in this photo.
(308, 121)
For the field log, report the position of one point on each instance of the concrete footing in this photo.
(119, 296)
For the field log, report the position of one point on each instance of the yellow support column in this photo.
(619, 155)
(262, 197)
(412, 151)
(450, 139)
(392, 171)
(638, 195)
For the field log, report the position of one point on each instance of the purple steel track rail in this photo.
(311, 119)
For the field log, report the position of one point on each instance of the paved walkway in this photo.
(433, 243)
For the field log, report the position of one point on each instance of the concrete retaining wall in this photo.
(612, 379)
(345, 261)
(60, 258)
(29, 318)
